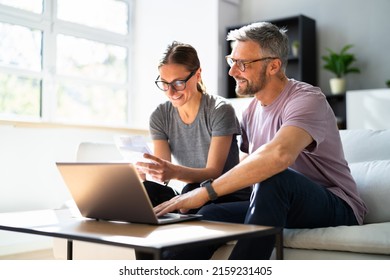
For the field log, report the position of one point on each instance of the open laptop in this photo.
(112, 191)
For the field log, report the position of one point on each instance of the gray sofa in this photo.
(368, 155)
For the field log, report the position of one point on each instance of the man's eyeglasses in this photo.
(177, 85)
(241, 64)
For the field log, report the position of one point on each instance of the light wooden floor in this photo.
(35, 255)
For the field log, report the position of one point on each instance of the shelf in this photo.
(340, 96)
(293, 58)
(338, 104)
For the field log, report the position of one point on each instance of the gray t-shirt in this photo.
(190, 143)
(305, 106)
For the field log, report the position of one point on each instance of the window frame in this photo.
(51, 26)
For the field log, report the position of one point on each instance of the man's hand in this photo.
(191, 200)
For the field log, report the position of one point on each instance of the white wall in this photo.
(364, 24)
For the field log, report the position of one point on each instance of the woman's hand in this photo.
(157, 168)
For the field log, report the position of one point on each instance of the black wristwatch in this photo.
(210, 190)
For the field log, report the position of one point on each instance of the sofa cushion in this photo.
(365, 144)
(373, 182)
(370, 238)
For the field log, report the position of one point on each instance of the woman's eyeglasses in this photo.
(177, 85)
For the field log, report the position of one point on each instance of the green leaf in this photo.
(340, 63)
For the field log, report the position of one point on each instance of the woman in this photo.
(198, 130)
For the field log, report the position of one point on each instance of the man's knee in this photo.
(233, 212)
(277, 184)
(210, 212)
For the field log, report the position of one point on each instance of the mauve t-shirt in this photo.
(306, 107)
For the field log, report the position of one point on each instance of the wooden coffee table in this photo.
(149, 241)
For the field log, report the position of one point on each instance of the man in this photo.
(295, 158)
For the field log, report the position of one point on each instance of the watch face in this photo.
(204, 183)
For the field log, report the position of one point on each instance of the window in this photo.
(65, 60)
(104, 14)
(35, 6)
(20, 86)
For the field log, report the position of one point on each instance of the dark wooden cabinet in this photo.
(303, 66)
(338, 104)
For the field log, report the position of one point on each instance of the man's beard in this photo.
(253, 87)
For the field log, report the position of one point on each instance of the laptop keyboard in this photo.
(172, 216)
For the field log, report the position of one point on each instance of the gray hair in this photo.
(271, 39)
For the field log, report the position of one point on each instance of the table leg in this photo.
(69, 249)
(279, 245)
(146, 256)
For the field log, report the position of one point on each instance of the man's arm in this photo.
(268, 160)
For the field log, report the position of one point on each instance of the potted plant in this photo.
(388, 83)
(295, 47)
(340, 65)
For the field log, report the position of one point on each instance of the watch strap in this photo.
(209, 188)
